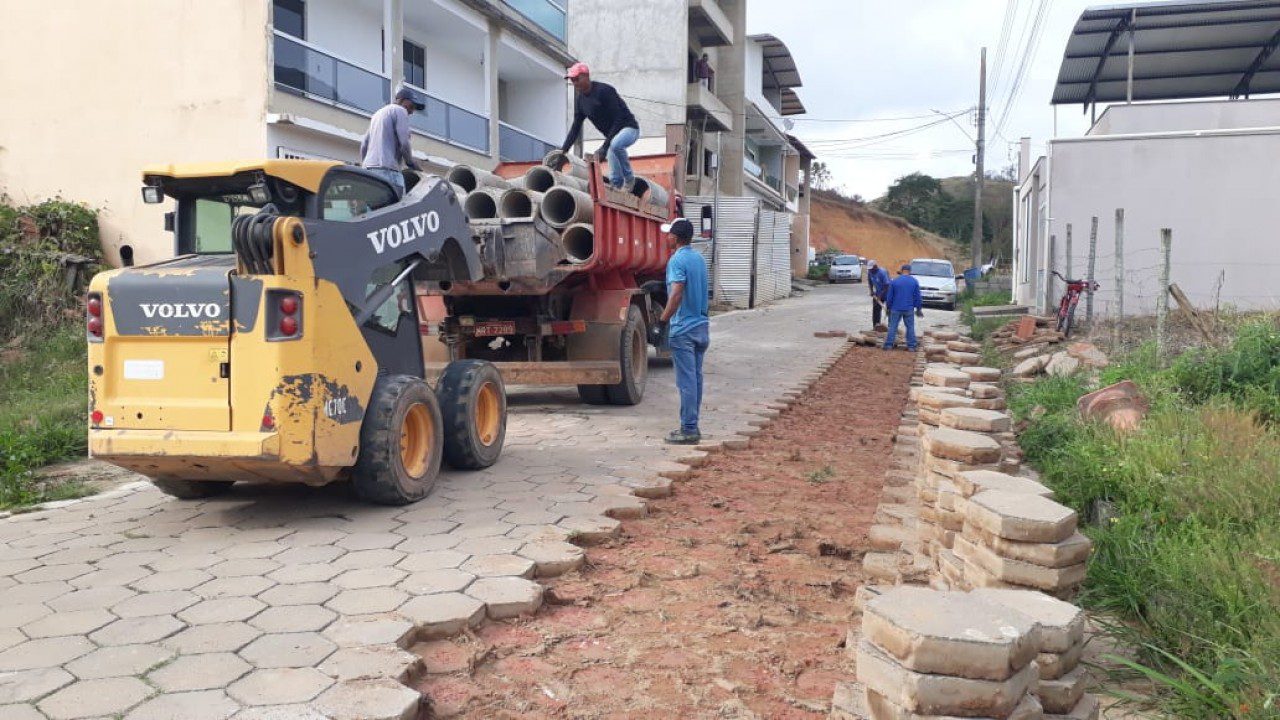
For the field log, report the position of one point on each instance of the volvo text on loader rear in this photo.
(282, 343)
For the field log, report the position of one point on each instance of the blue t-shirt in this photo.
(687, 266)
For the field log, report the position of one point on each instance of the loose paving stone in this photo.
(79, 622)
(960, 445)
(279, 686)
(506, 597)
(293, 618)
(120, 661)
(202, 705)
(975, 481)
(1062, 624)
(975, 420)
(288, 650)
(876, 706)
(1087, 709)
(1021, 517)
(94, 698)
(28, 685)
(222, 610)
(445, 614)
(552, 558)
(1061, 695)
(199, 672)
(590, 530)
(1072, 551)
(1016, 572)
(316, 593)
(930, 694)
(946, 377)
(370, 662)
(137, 630)
(222, 637)
(364, 630)
(368, 600)
(382, 699)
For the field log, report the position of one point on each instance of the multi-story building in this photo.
(96, 93)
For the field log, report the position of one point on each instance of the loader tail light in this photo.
(288, 325)
(93, 317)
(285, 309)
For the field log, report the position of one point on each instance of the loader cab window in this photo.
(207, 207)
(348, 195)
(387, 317)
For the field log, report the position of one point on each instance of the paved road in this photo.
(283, 602)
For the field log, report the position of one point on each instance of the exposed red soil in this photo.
(730, 600)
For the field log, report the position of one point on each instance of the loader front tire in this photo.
(193, 489)
(473, 403)
(401, 442)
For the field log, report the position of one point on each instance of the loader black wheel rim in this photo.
(488, 414)
(417, 437)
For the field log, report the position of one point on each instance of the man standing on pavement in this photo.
(387, 141)
(689, 328)
(601, 103)
(905, 305)
(878, 284)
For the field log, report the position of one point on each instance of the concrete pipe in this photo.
(653, 193)
(579, 242)
(482, 204)
(472, 179)
(567, 164)
(460, 191)
(541, 178)
(563, 206)
(519, 204)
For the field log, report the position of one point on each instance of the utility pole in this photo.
(979, 176)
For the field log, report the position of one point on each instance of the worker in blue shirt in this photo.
(905, 305)
(878, 284)
(689, 328)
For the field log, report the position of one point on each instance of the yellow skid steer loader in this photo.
(282, 343)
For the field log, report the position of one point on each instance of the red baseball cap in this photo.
(576, 70)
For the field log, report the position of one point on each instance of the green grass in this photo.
(1185, 518)
(42, 416)
(968, 300)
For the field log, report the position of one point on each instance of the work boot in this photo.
(680, 437)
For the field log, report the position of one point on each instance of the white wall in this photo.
(458, 79)
(1168, 117)
(321, 145)
(350, 29)
(537, 107)
(1217, 193)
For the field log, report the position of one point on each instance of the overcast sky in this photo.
(866, 59)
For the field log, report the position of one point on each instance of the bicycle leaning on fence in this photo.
(1067, 305)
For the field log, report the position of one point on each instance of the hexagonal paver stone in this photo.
(367, 600)
(27, 685)
(232, 587)
(43, 653)
(374, 661)
(436, 581)
(1018, 572)
(79, 622)
(1020, 516)
(443, 615)
(314, 593)
(872, 704)
(307, 573)
(369, 578)
(960, 445)
(1072, 551)
(432, 560)
(94, 698)
(229, 609)
(36, 592)
(982, 374)
(975, 481)
(1062, 624)
(507, 597)
(158, 603)
(89, 599)
(220, 637)
(975, 420)
(590, 529)
(19, 615)
(120, 661)
(174, 580)
(368, 559)
(376, 629)
(199, 672)
(488, 546)
(985, 391)
(369, 541)
(137, 630)
(279, 686)
(288, 650)
(381, 699)
(946, 377)
(48, 573)
(499, 566)
(552, 557)
(931, 694)
(203, 705)
(939, 398)
(280, 712)
(293, 618)
(950, 633)
(20, 712)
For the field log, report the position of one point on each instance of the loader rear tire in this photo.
(633, 353)
(193, 489)
(473, 403)
(401, 442)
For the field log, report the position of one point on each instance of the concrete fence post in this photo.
(1093, 261)
(1119, 269)
(1067, 261)
(1162, 297)
(1048, 274)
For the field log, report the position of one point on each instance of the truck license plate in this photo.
(494, 329)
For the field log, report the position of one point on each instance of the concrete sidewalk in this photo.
(286, 602)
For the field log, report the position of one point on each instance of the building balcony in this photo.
(546, 14)
(304, 69)
(709, 23)
(516, 145)
(449, 123)
(704, 104)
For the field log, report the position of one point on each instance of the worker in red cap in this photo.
(601, 103)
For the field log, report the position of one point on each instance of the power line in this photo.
(854, 143)
(796, 119)
(1006, 27)
(1028, 56)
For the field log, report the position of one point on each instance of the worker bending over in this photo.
(601, 103)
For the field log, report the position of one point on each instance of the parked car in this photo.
(937, 280)
(845, 268)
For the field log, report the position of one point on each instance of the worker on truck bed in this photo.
(601, 103)
(387, 141)
(689, 331)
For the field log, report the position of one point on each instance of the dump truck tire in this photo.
(594, 394)
(193, 489)
(473, 403)
(401, 442)
(633, 352)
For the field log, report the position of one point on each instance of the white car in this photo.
(845, 268)
(937, 280)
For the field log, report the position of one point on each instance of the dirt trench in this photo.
(730, 600)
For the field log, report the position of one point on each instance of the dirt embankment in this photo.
(860, 230)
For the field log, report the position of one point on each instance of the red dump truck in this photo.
(573, 283)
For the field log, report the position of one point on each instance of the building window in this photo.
(290, 17)
(415, 64)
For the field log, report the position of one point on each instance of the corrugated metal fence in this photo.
(747, 238)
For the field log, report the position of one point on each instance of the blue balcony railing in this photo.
(519, 146)
(305, 69)
(546, 14)
(450, 123)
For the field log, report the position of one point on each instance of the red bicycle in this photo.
(1067, 305)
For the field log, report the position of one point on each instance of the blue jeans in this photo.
(896, 317)
(619, 161)
(391, 176)
(687, 350)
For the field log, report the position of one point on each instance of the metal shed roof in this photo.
(1181, 50)
(780, 72)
